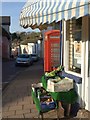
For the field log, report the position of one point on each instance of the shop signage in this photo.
(77, 51)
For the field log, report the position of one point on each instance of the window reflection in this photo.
(75, 46)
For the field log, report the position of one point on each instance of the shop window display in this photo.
(75, 47)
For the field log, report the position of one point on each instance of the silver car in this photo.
(35, 57)
(24, 59)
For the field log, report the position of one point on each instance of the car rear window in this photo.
(23, 56)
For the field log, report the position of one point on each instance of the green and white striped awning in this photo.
(48, 11)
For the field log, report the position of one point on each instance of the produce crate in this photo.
(69, 97)
(43, 100)
(58, 85)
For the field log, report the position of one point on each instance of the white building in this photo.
(75, 37)
(24, 49)
(31, 48)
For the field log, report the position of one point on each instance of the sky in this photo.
(13, 10)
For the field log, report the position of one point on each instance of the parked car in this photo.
(34, 57)
(24, 59)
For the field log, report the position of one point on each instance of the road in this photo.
(10, 71)
(17, 97)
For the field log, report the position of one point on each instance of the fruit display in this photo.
(43, 100)
(50, 74)
(54, 72)
(59, 68)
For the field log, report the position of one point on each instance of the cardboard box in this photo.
(55, 85)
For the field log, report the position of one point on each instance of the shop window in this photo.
(75, 43)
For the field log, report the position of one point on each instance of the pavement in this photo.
(16, 98)
(17, 101)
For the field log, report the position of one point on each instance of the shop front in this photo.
(75, 56)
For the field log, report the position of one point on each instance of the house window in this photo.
(75, 43)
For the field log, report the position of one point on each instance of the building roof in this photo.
(3, 32)
(5, 20)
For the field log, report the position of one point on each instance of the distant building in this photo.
(24, 49)
(5, 39)
(31, 48)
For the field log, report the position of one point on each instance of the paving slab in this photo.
(16, 98)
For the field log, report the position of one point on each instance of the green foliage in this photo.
(14, 36)
(24, 38)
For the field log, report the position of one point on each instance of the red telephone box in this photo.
(51, 49)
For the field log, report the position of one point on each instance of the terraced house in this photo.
(5, 39)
